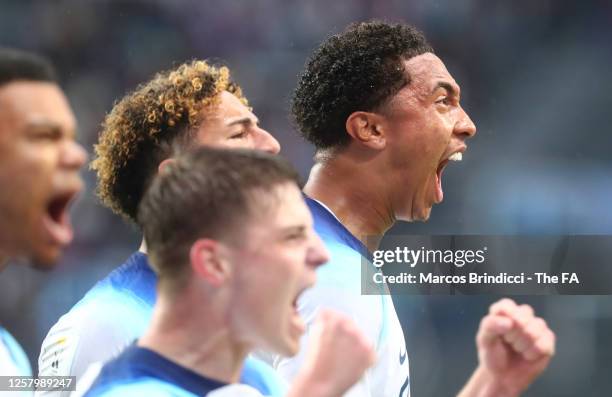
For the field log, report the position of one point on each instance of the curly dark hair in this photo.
(148, 125)
(356, 70)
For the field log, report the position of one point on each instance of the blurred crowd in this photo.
(534, 77)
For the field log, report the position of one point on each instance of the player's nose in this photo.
(266, 142)
(318, 254)
(464, 125)
(73, 156)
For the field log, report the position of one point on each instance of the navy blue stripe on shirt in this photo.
(137, 362)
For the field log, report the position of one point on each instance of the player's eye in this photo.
(46, 135)
(239, 135)
(444, 101)
(295, 236)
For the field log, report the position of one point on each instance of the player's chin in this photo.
(46, 257)
(48, 246)
(45, 254)
(418, 209)
(424, 216)
(419, 214)
(290, 346)
(290, 339)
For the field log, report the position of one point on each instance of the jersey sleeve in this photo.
(96, 331)
(13, 360)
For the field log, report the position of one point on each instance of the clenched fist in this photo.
(514, 348)
(338, 356)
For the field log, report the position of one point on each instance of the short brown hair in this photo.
(147, 125)
(205, 193)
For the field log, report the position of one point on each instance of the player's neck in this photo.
(355, 195)
(199, 342)
(3, 262)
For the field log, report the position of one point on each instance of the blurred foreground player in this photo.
(232, 242)
(383, 113)
(39, 173)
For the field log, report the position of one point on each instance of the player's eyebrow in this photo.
(51, 126)
(452, 89)
(242, 120)
(295, 229)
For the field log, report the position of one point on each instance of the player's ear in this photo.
(207, 261)
(366, 128)
(162, 166)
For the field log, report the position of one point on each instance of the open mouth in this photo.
(457, 156)
(56, 219)
(297, 322)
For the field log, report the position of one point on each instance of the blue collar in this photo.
(159, 367)
(327, 225)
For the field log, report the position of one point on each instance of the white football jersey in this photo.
(338, 287)
(13, 361)
(111, 316)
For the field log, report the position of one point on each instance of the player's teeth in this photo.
(456, 157)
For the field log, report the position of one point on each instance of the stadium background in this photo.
(535, 78)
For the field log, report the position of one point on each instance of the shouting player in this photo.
(232, 242)
(39, 173)
(192, 105)
(385, 117)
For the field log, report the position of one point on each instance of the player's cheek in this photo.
(266, 325)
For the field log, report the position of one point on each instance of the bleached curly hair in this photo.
(148, 124)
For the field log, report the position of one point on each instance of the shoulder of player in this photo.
(101, 310)
(134, 280)
(93, 329)
(15, 357)
(343, 269)
(104, 305)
